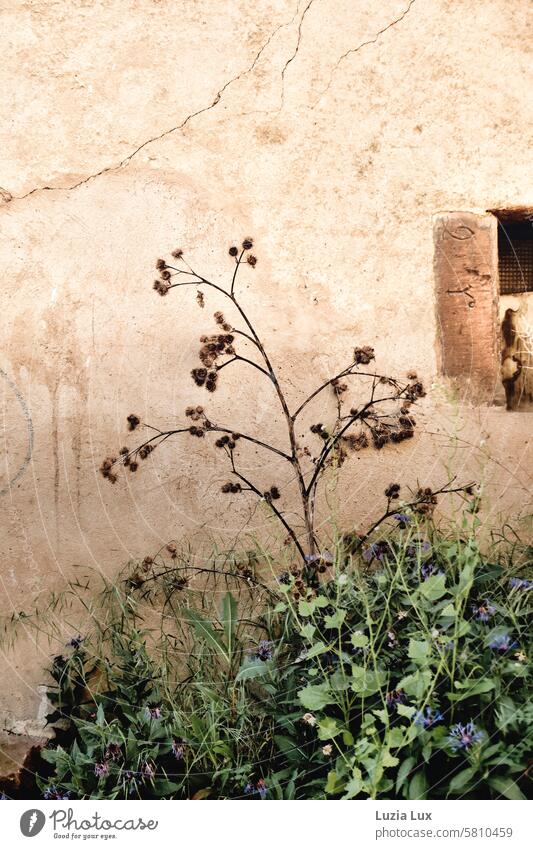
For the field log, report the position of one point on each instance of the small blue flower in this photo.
(429, 570)
(378, 550)
(394, 698)
(403, 519)
(427, 719)
(502, 643)
(178, 749)
(101, 769)
(464, 736)
(521, 584)
(264, 650)
(483, 611)
(53, 792)
(153, 712)
(258, 788)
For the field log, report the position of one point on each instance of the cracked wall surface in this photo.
(332, 132)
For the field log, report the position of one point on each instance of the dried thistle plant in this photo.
(384, 418)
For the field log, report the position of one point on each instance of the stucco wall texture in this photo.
(332, 131)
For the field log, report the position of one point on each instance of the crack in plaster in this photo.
(359, 47)
(295, 53)
(6, 196)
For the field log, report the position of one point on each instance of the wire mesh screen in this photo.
(515, 257)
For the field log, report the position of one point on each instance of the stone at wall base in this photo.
(18, 758)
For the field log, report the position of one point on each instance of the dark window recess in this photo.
(515, 256)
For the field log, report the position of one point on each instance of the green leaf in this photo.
(308, 631)
(419, 650)
(359, 640)
(336, 620)
(405, 710)
(229, 620)
(506, 787)
(388, 760)
(471, 688)
(434, 587)
(328, 728)
(322, 601)
(306, 608)
(315, 696)
(403, 772)
(318, 648)
(280, 607)
(417, 683)
(355, 784)
(448, 611)
(206, 632)
(461, 780)
(334, 784)
(418, 786)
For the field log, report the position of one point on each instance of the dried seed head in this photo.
(160, 264)
(247, 244)
(177, 254)
(133, 466)
(161, 288)
(200, 300)
(165, 274)
(133, 421)
(251, 260)
(233, 251)
(364, 355)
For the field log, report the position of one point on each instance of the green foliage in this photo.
(404, 675)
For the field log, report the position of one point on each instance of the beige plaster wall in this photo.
(329, 130)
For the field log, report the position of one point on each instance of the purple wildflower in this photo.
(521, 584)
(421, 545)
(101, 769)
(429, 570)
(502, 643)
(394, 698)
(403, 519)
(153, 712)
(464, 736)
(53, 792)
(264, 650)
(259, 788)
(147, 770)
(178, 749)
(483, 611)
(427, 719)
(283, 578)
(378, 550)
(113, 752)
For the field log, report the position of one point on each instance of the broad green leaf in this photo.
(461, 780)
(336, 619)
(471, 688)
(434, 587)
(318, 648)
(315, 696)
(403, 772)
(417, 683)
(334, 784)
(358, 641)
(328, 728)
(306, 608)
(355, 784)
(405, 710)
(389, 760)
(418, 786)
(419, 650)
(308, 631)
(322, 601)
(506, 787)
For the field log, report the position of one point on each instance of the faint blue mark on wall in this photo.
(29, 426)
